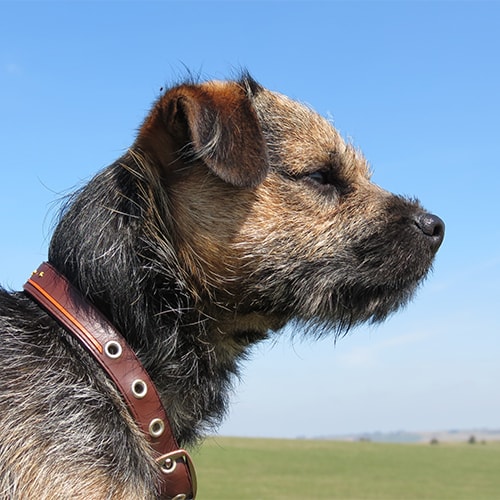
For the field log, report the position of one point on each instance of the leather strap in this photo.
(79, 317)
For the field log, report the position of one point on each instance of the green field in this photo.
(267, 469)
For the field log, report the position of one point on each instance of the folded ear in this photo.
(217, 124)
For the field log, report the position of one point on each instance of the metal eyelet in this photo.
(113, 349)
(156, 427)
(139, 388)
(168, 465)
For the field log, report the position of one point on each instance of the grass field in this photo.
(266, 469)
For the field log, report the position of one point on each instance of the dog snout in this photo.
(432, 227)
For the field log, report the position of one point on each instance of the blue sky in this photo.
(415, 85)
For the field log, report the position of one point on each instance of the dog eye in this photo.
(328, 181)
(325, 177)
(321, 177)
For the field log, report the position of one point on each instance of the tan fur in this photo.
(236, 211)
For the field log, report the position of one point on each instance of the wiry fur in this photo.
(236, 211)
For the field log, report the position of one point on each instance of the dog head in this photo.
(274, 217)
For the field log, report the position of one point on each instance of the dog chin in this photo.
(337, 312)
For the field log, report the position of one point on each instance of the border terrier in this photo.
(236, 211)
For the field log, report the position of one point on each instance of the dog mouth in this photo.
(366, 281)
(356, 301)
(319, 294)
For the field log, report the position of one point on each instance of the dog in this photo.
(237, 210)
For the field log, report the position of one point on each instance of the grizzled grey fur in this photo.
(236, 211)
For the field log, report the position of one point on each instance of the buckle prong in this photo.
(168, 463)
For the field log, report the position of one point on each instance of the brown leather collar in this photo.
(68, 306)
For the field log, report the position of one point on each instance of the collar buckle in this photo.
(169, 464)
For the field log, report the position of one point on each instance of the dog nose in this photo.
(432, 226)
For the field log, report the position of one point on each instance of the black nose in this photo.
(432, 226)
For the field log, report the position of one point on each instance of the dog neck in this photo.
(128, 269)
(58, 297)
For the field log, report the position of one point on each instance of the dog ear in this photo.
(217, 124)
